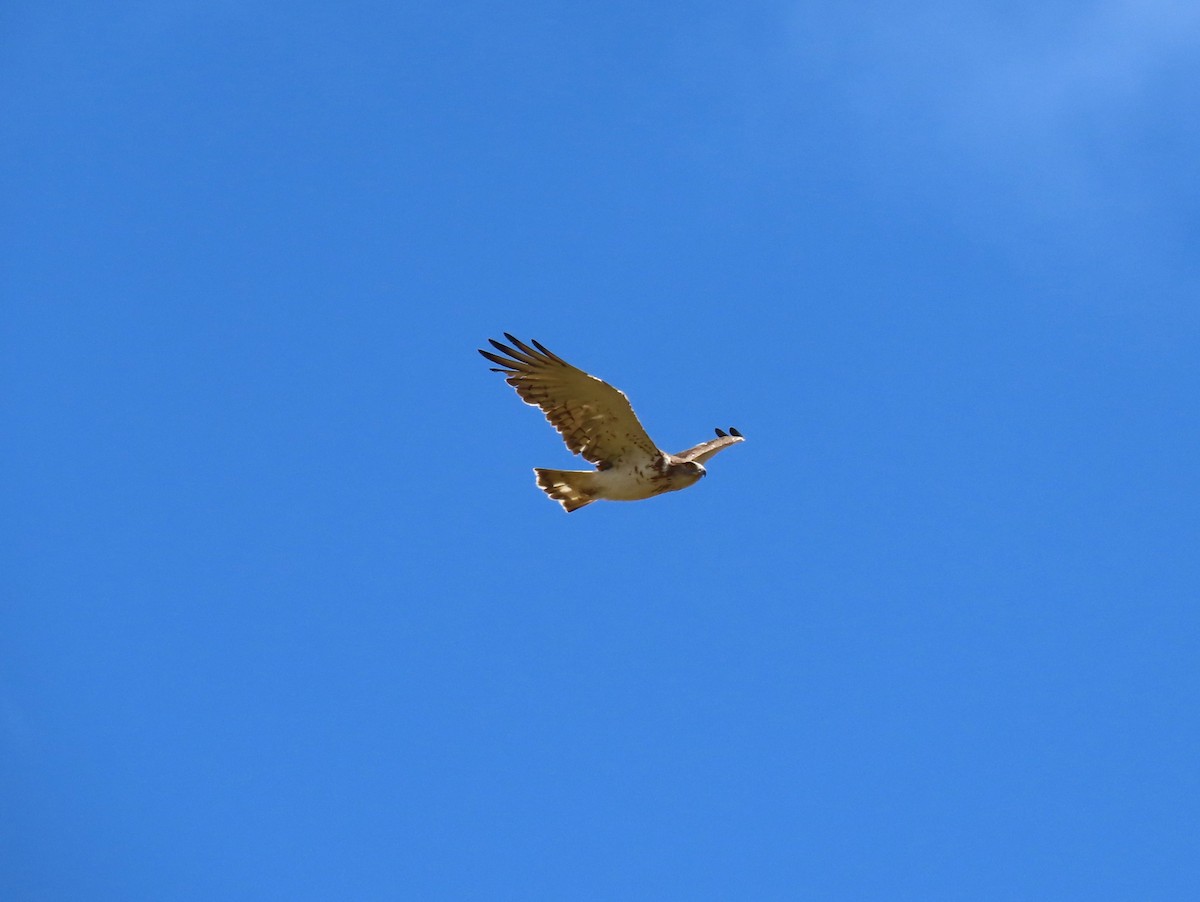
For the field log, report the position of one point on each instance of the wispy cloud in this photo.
(1074, 116)
(1081, 78)
(1112, 52)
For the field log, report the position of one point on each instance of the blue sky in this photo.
(284, 613)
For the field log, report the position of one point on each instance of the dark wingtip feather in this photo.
(541, 347)
(510, 366)
(720, 434)
(734, 432)
(523, 353)
(503, 349)
(521, 346)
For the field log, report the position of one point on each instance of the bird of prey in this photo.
(598, 423)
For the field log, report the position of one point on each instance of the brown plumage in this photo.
(597, 422)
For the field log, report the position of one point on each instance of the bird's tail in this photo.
(572, 489)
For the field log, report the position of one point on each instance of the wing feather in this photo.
(594, 419)
(705, 450)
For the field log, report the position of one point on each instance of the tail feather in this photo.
(572, 489)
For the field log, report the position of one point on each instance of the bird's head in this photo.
(691, 470)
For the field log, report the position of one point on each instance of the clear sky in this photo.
(284, 615)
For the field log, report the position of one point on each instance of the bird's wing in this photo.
(704, 451)
(594, 419)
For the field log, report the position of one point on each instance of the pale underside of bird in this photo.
(597, 422)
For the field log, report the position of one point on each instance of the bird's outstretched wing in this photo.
(594, 419)
(704, 451)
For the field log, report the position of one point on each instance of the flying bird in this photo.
(598, 423)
